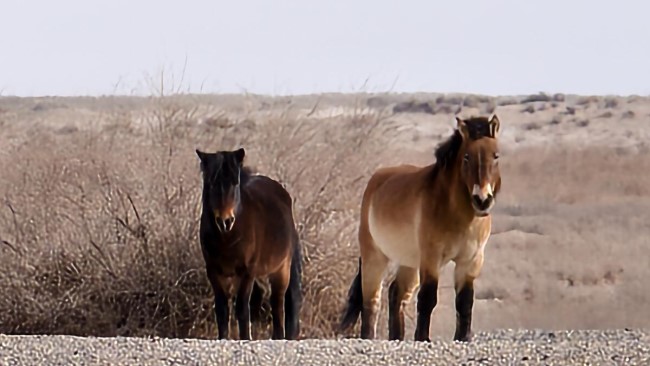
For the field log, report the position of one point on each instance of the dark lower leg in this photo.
(464, 304)
(242, 308)
(277, 304)
(395, 313)
(279, 285)
(222, 313)
(221, 306)
(427, 300)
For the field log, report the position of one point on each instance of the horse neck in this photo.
(450, 195)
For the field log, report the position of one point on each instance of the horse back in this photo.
(393, 189)
(269, 194)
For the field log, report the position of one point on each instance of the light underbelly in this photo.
(397, 241)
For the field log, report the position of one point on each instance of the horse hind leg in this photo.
(399, 294)
(293, 295)
(279, 285)
(373, 267)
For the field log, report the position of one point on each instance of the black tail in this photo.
(355, 303)
(293, 296)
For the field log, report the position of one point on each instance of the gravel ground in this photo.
(503, 347)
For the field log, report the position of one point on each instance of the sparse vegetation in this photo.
(529, 109)
(628, 114)
(505, 101)
(585, 101)
(413, 107)
(611, 102)
(541, 97)
(570, 111)
(98, 220)
(532, 126)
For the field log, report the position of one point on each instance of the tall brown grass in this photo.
(99, 225)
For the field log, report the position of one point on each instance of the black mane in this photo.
(222, 165)
(245, 174)
(447, 152)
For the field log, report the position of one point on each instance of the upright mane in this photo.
(447, 152)
(245, 174)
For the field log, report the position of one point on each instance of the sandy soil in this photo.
(493, 348)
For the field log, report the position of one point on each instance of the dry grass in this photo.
(98, 221)
(99, 227)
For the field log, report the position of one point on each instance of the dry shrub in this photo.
(628, 114)
(559, 97)
(586, 101)
(529, 109)
(413, 106)
(531, 126)
(541, 97)
(506, 101)
(98, 227)
(611, 102)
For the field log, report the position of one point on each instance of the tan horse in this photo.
(421, 218)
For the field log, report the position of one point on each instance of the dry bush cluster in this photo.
(98, 226)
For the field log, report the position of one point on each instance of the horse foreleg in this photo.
(464, 275)
(221, 303)
(242, 307)
(427, 298)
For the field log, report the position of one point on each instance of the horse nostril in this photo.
(477, 200)
(221, 224)
(488, 201)
(482, 204)
(229, 223)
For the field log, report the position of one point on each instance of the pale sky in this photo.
(95, 47)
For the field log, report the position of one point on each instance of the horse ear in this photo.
(462, 127)
(495, 124)
(203, 158)
(239, 155)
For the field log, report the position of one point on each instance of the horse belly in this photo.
(397, 241)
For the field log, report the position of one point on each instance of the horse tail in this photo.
(354, 304)
(293, 296)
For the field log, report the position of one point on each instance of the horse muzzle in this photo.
(482, 200)
(225, 225)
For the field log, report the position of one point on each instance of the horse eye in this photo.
(496, 156)
(466, 157)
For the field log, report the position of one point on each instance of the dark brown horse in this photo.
(421, 218)
(247, 232)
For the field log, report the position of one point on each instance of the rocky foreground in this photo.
(503, 347)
